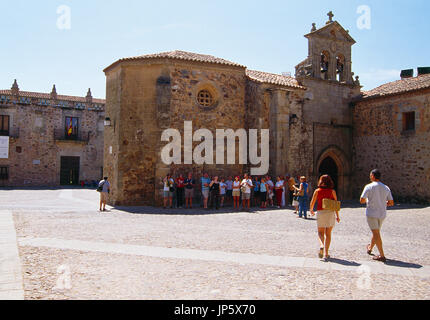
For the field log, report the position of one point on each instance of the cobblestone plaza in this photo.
(56, 245)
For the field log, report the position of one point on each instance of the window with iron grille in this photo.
(4, 125)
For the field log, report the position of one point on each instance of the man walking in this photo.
(104, 188)
(378, 197)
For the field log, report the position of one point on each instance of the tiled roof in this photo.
(399, 86)
(181, 55)
(40, 95)
(271, 78)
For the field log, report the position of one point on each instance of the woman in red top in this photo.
(325, 218)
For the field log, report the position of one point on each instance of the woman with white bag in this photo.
(326, 218)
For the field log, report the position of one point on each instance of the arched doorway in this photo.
(329, 166)
(332, 161)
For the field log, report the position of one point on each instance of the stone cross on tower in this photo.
(330, 17)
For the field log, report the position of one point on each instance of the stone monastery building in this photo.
(320, 121)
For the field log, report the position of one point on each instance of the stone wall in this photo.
(380, 142)
(159, 95)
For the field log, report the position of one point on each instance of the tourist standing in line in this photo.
(296, 187)
(104, 187)
(214, 188)
(246, 187)
(270, 190)
(236, 193)
(378, 197)
(205, 181)
(326, 219)
(229, 193)
(291, 189)
(303, 191)
(263, 193)
(189, 191)
(255, 195)
(222, 191)
(180, 193)
(168, 190)
(283, 204)
(279, 190)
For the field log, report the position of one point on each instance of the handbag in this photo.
(100, 187)
(332, 205)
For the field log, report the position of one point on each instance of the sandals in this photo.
(369, 250)
(380, 258)
(321, 253)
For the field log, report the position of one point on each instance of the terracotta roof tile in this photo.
(271, 78)
(181, 55)
(399, 86)
(41, 95)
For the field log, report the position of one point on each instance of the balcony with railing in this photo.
(61, 135)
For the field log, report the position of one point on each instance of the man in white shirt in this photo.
(378, 197)
(246, 186)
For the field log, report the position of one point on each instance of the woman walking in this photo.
(326, 219)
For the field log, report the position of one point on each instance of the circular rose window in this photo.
(205, 99)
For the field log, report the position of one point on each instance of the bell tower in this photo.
(329, 56)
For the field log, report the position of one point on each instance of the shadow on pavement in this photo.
(344, 262)
(402, 264)
(192, 212)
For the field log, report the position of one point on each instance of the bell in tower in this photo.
(329, 53)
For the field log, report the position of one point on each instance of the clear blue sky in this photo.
(263, 35)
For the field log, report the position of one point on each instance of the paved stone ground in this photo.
(68, 250)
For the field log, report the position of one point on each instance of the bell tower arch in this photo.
(329, 56)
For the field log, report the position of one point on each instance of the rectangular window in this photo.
(4, 125)
(71, 128)
(409, 121)
(4, 173)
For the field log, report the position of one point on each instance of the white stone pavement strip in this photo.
(228, 257)
(11, 287)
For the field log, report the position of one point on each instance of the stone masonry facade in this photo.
(382, 140)
(36, 126)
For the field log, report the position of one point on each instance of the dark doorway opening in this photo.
(328, 166)
(69, 172)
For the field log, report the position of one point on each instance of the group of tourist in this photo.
(376, 195)
(253, 191)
